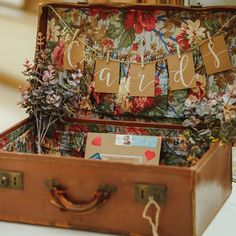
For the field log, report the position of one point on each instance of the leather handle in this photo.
(62, 200)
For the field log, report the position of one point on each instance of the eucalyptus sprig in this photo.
(212, 118)
(49, 92)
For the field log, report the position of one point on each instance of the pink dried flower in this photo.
(53, 99)
(28, 67)
(25, 93)
(49, 77)
(77, 75)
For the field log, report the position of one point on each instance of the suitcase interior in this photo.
(69, 138)
(205, 180)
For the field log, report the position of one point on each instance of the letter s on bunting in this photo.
(215, 55)
(181, 72)
(142, 80)
(107, 76)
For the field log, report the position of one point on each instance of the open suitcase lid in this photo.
(137, 62)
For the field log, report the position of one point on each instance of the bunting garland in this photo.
(181, 67)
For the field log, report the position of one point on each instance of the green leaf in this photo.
(51, 44)
(127, 38)
(77, 141)
(113, 31)
(212, 25)
(162, 102)
(179, 109)
(180, 94)
(153, 112)
(116, 20)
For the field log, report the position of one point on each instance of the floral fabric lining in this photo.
(20, 140)
(69, 139)
(127, 33)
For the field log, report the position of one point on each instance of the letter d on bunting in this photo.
(181, 72)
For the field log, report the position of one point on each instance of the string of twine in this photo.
(214, 35)
(154, 224)
(75, 34)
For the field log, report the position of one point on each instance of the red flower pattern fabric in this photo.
(141, 103)
(103, 14)
(139, 21)
(108, 43)
(58, 54)
(127, 34)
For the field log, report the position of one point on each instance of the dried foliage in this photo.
(49, 95)
(209, 120)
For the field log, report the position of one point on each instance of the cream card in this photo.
(123, 148)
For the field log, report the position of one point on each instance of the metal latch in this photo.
(144, 191)
(11, 180)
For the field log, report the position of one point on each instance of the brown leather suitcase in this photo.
(71, 192)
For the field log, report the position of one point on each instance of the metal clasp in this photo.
(11, 180)
(144, 191)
